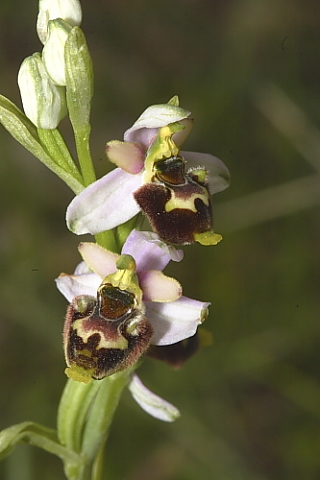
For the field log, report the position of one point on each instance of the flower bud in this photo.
(53, 51)
(68, 10)
(43, 102)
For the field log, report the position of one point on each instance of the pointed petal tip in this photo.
(75, 226)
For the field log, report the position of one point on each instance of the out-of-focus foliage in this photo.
(249, 71)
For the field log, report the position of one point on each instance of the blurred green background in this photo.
(249, 71)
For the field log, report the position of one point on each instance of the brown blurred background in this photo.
(250, 73)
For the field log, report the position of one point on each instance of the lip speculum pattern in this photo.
(177, 203)
(106, 334)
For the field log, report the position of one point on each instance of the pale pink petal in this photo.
(157, 287)
(129, 156)
(219, 175)
(152, 403)
(100, 260)
(149, 252)
(105, 204)
(145, 129)
(73, 285)
(175, 321)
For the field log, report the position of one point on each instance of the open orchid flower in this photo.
(146, 292)
(119, 305)
(151, 177)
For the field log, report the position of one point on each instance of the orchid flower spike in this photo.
(152, 177)
(121, 304)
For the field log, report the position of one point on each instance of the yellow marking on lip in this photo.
(188, 204)
(121, 343)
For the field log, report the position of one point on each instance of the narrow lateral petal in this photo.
(73, 285)
(157, 287)
(105, 204)
(175, 321)
(129, 156)
(100, 260)
(151, 403)
(218, 174)
(149, 252)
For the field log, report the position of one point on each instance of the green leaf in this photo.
(25, 132)
(43, 437)
(102, 411)
(74, 405)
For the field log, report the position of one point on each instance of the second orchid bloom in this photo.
(152, 177)
(120, 304)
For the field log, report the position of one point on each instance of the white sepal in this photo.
(151, 403)
(105, 204)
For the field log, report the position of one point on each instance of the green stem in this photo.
(82, 137)
(97, 467)
(107, 240)
(84, 418)
(101, 413)
(124, 230)
(74, 405)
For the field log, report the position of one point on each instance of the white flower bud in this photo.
(43, 102)
(53, 51)
(69, 10)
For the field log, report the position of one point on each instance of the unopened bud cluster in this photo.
(42, 78)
